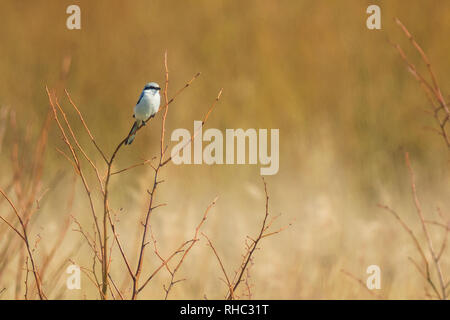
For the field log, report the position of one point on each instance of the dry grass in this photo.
(440, 285)
(437, 281)
(347, 112)
(104, 224)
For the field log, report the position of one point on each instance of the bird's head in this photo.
(152, 87)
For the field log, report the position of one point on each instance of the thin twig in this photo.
(425, 230)
(24, 236)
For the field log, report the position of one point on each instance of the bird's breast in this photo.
(148, 106)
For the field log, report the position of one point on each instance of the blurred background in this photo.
(347, 110)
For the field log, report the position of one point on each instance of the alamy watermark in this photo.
(74, 20)
(374, 20)
(233, 150)
(374, 280)
(73, 281)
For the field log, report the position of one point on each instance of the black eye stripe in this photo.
(155, 88)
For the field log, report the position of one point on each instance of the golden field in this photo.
(346, 107)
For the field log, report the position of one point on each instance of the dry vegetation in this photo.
(349, 116)
(440, 283)
(104, 236)
(438, 280)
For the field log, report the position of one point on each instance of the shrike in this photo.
(146, 108)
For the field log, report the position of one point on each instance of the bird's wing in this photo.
(140, 97)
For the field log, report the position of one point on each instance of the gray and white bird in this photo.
(146, 108)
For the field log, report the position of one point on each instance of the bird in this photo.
(145, 109)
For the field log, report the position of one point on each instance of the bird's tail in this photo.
(132, 133)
